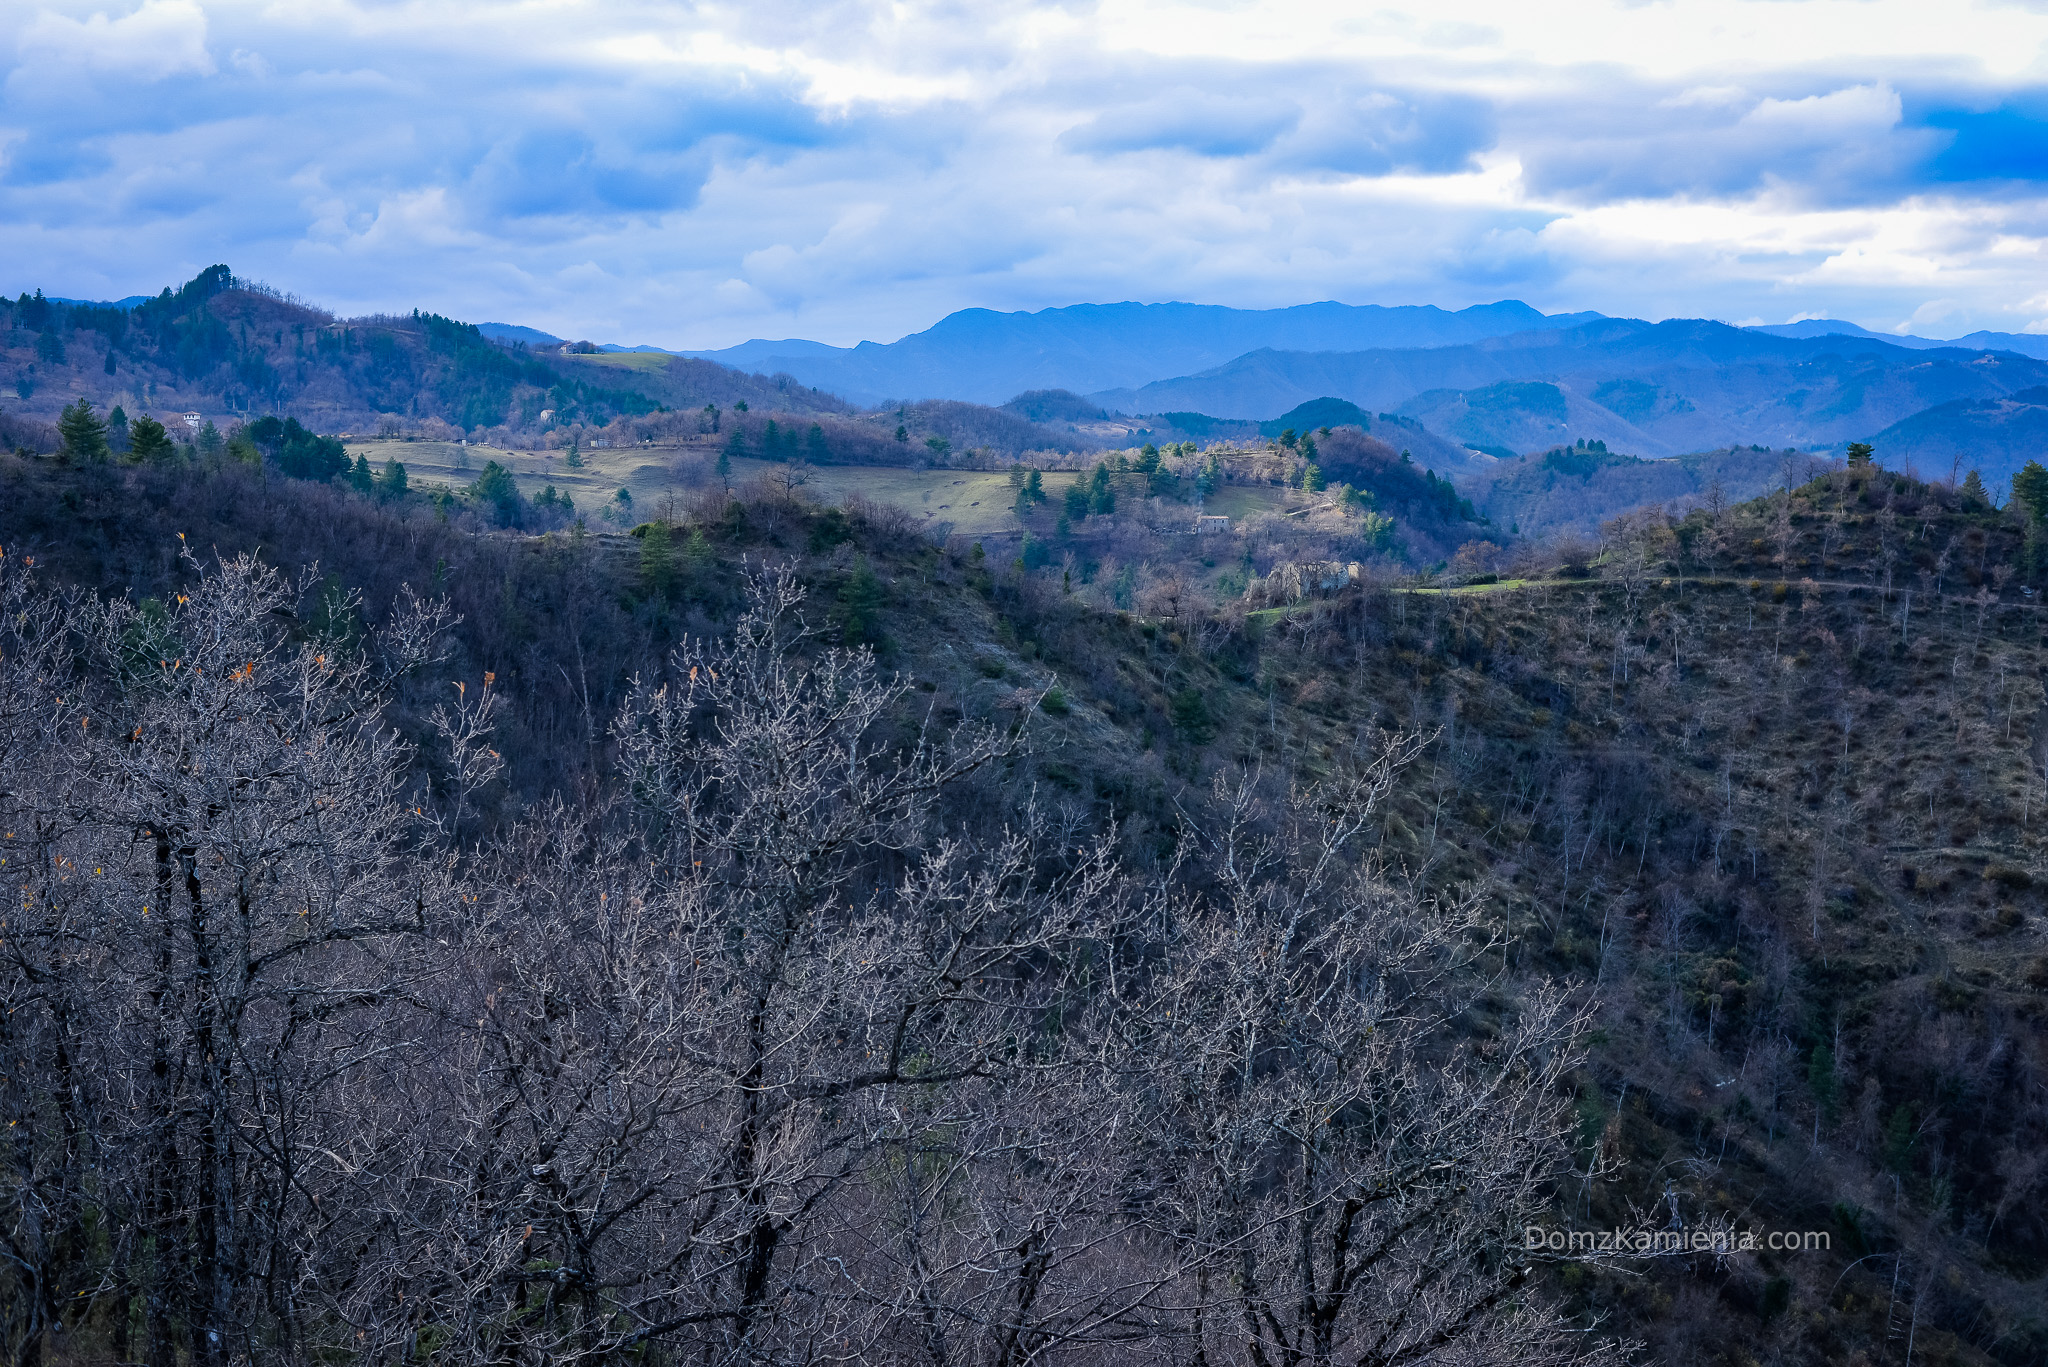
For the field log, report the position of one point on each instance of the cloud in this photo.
(693, 175)
(1188, 120)
(162, 38)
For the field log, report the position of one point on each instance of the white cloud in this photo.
(162, 38)
(696, 174)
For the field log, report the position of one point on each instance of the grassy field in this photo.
(975, 502)
(630, 360)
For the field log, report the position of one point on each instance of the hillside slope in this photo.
(1768, 785)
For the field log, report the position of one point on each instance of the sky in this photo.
(692, 175)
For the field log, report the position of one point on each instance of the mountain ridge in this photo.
(1077, 346)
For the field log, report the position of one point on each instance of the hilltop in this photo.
(229, 349)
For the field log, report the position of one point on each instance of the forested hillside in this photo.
(1176, 982)
(229, 350)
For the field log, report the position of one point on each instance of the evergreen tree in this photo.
(1034, 487)
(1860, 453)
(814, 445)
(771, 442)
(2030, 490)
(1101, 492)
(360, 477)
(725, 469)
(149, 443)
(117, 431)
(902, 433)
(1312, 479)
(697, 556)
(109, 366)
(496, 489)
(391, 482)
(1974, 493)
(574, 457)
(657, 560)
(1074, 503)
(210, 441)
(82, 433)
(1191, 717)
(735, 445)
(860, 605)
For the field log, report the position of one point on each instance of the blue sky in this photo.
(697, 174)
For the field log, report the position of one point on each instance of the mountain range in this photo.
(1465, 388)
(986, 357)
(1498, 380)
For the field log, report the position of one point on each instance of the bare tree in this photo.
(1338, 1174)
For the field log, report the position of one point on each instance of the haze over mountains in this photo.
(986, 357)
(1493, 381)
(1501, 379)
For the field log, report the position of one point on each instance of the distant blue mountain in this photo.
(130, 302)
(988, 357)
(514, 332)
(2025, 343)
(1650, 389)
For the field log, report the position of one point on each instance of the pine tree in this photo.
(210, 440)
(860, 604)
(360, 478)
(50, 347)
(1860, 453)
(657, 560)
(1974, 493)
(725, 469)
(391, 483)
(697, 556)
(2030, 490)
(117, 431)
(149, 443)
(574, 458)
(82, 433)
